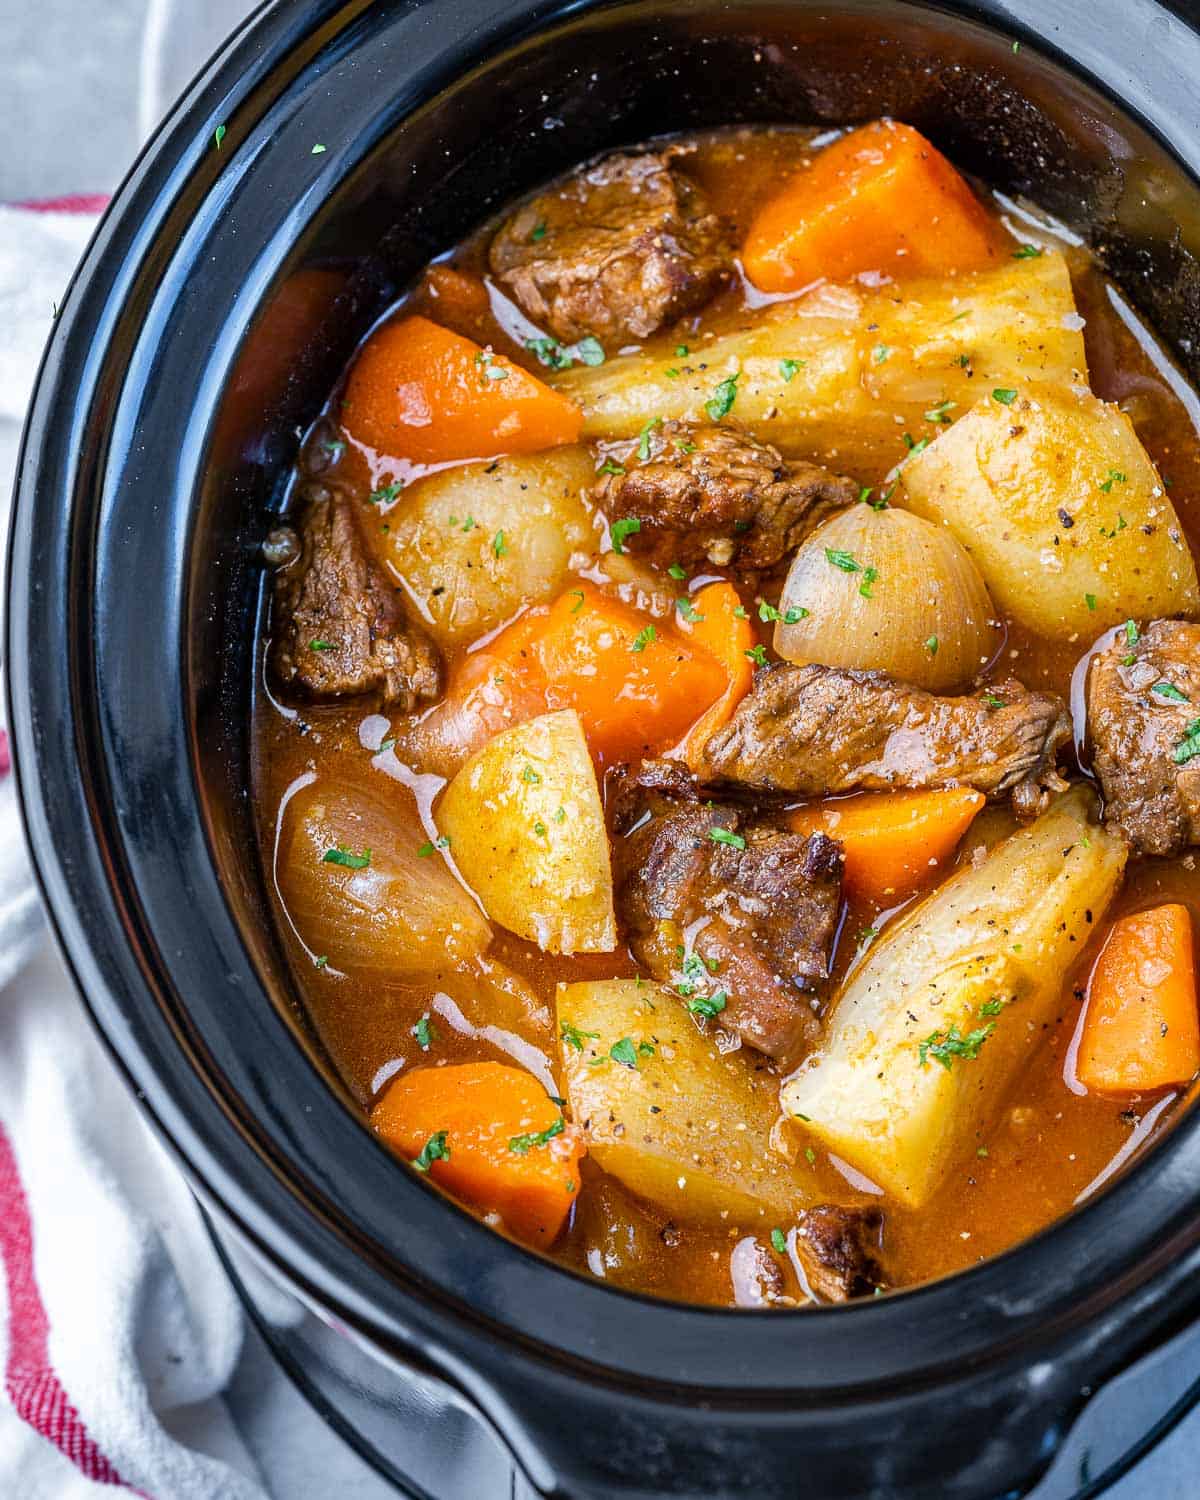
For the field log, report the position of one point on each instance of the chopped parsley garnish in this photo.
(795, 615)
(991, 701)
(619, 530)
(610, 466)
(320, 645)
(334, 449)
(550, 352)
(218, 136)
(868, 578)
(1169, 690)
(427, 848)
(643, 638)
(561, 815)
(1189, 746)
(757, 654)
(434, 1149)
(846, 561)
(917, 446)
(578, 596)
(1027, 252)
(677, 572)
(767, 612)
(538, 232)
(1114, 477)
(727, 836)
(880, 353)
(574, 1037)
(1090, 600)
(864, 495)
(810, 1156)
(590, 350)
(425, 1032)
(788, 367)
(385, 492)
(739, 612)
(499, 545)
(708, 1006)
(688, 610)
(643, 446)
(992, 1007)
(320, 961)
(681, 351)
(342, 856)
(720, 403)
(531, 776)
(931, 645)
(945, 1046)
(524, 1144)
(940, 412)
(625, 1053)
(778, 1242)
(469, 524)
(1004, 395)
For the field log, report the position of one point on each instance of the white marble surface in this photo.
(80, 80)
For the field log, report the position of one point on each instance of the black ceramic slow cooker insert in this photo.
(159, 441)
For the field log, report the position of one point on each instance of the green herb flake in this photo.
(539, 231)
(810, 1156)
(681, 351)
(870, 575)
(778, 1242)
(795, 615)
(1090, 600)
(1189, 746)
(624, 1052)
(524, 1144)
(342, 856)
(643, 638)
(1004, 395)
(708, 1006)
(334, 449)
(727, 836)
(218, 136)
(1028, 252)
(385, 493)
(992, 1007)
(532, 777)
(880, 353)
(991, 701)
(425, 1032)
(319, 645)
(434, 1149)
(1170, 691)
(945, 1046)
(317, 150)
(619, 530)
(720, 403)
(788, 367)
(931, 645)
(320, 961)
(864, 495)
(688, 610)
(919, 446)
(643, 441)
(1115, 476)
(550, 352)
(561, 815)
(499, 545)
(590, 350)
(578, 596)
(757, 654)
(574, 1037)
(846, 561)
(1132, 635)
(940, 412)
(767, 612)
(677, 572)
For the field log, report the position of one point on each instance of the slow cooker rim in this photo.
(278, 26)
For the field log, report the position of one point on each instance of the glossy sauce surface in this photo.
(1050, 1145)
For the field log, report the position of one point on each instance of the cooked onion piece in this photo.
(367, 891)
(526, 827)
(474, 544)
(884, 589)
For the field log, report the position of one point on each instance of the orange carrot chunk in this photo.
(421, 393)
(636, 683)
(1141, 1030)
(720, 624)
(879, 199)
(490, 1135)
(893, 841)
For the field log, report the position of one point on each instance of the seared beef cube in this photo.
(616, 251)
(712, 493)
(725, 905)
(839, 1249)
(817, 731)
(339, 627)
(1143, 709)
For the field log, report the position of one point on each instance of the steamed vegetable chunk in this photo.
(475, 544)
(524, 821)
(930, 1031)
(665, 1111)
(843, 372)
(1061, 508)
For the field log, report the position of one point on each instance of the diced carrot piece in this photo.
(893, 841)
(729, 636)
(490, 1135)
(881, 198)
(636, 684)
(421, 393)
(457, 292)
(1141, 1030)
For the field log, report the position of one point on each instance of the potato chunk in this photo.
(1060, 506)
(930, 1031)
(526, 830)
(840, 374)
(473, 544)
(674, 1119)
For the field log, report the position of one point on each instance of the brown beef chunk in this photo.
(616, 251)
(339, 628)
(816, 730)
(749, 915)
(1143, 698)
(712, 493)
(839, 1249)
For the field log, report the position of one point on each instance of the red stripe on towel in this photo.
(29, 1378)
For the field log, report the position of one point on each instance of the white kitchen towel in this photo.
(118, 1327)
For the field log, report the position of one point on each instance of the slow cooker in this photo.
(195, 344)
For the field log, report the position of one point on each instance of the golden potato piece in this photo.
(527, 831)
